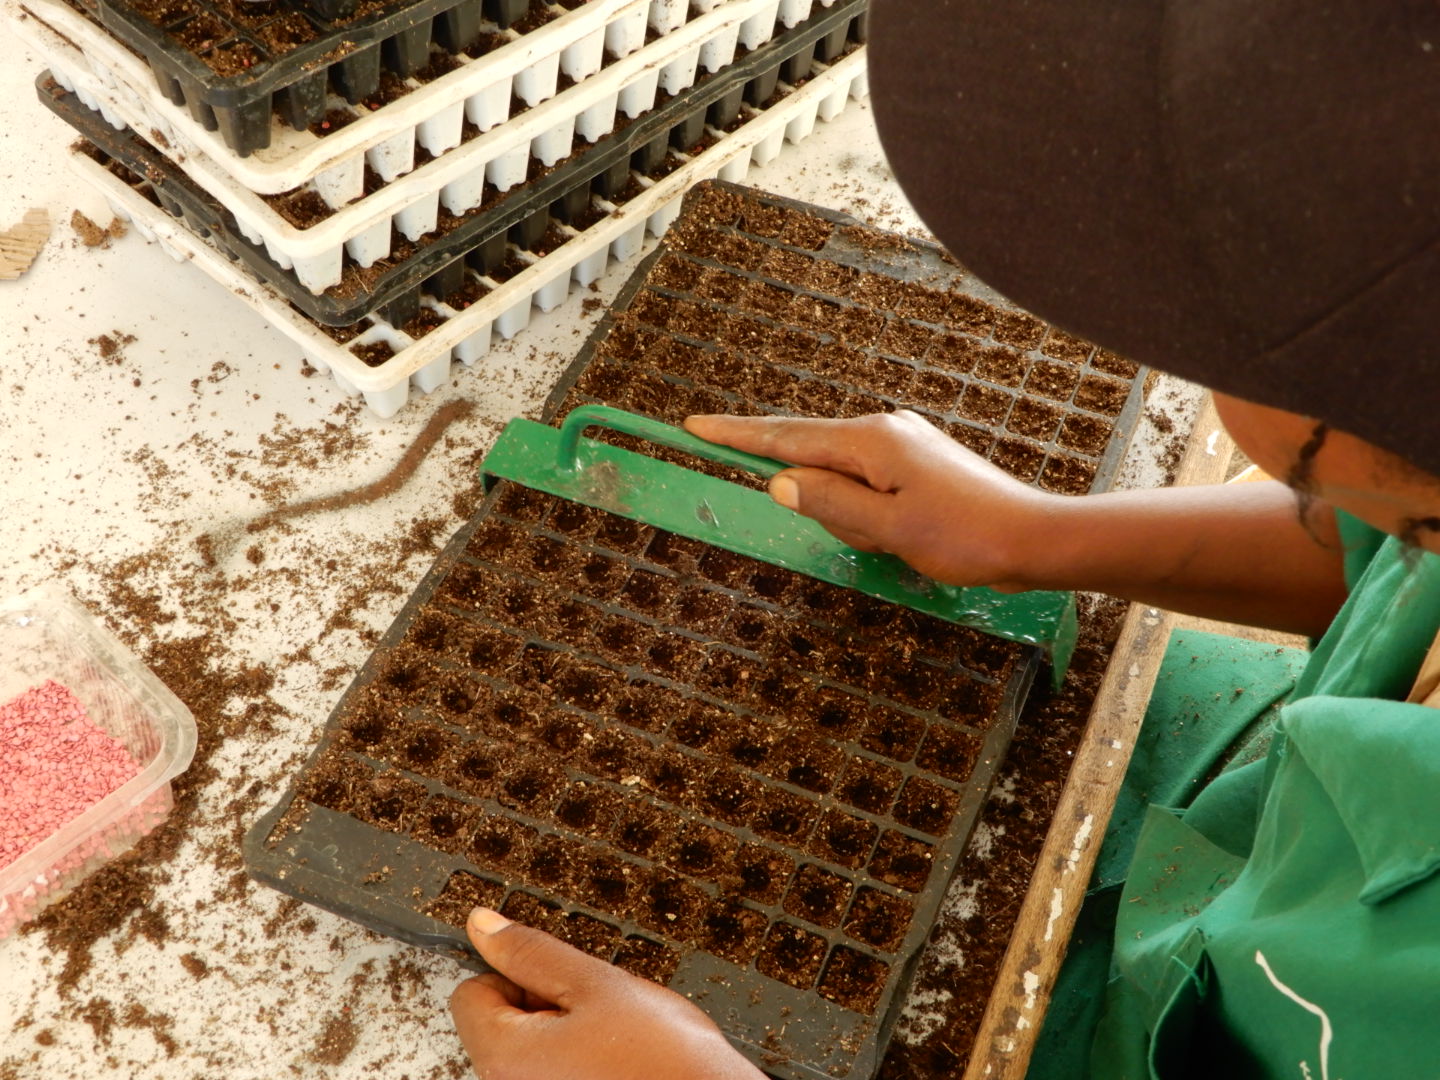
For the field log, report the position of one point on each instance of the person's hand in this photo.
(895, 483)
(550, 1012)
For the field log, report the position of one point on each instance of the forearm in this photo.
(1238, 553)
(895, 483)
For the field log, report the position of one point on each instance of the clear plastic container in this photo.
(44, 635)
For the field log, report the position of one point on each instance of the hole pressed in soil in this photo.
(869, 785)
(671, 906)
(733, 932)
(639, 829)
(902, 861)
(854, 980)
(893, 734)
(843, 839)
(761, 874)
(444, 824)
(784, 817)
(585, 809)
(463, 891)
(926, 806)
(949, 753)
(792, 955)
(648, 959)
(818, 896)
(607, 883)
(879, 918)
(702, 851)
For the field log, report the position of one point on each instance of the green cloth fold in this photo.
(1280, 917)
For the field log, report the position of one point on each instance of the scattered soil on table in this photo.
(337, 1038)
(214, 545)
(111, 346)
(196, 627)
(93, 235)
(122, 893)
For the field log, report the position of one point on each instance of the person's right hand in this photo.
(895, 483)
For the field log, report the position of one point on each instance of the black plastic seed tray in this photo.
(694, 766)
(740, 782)
(436, 265)
(230, 62)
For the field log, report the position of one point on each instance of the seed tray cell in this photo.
(382, 251)
(743, 783)
(500, 307)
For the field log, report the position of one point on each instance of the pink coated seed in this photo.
(54, 765)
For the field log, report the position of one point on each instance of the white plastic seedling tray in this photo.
(501, 157)
(431, 116)
(528, 68)
(465, 336)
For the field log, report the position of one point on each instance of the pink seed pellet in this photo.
(54, 765)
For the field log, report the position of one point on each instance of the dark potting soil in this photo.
(741, 315)
(373, 354)
(552, 678)
(423, 323)
(285, 25)
(474, 289)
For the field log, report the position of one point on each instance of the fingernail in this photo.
(786, 492)
(485, 921)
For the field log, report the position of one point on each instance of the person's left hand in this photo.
(550, 1011)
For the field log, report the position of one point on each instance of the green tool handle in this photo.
(568, 455)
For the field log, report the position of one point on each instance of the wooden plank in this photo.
(1022, 989)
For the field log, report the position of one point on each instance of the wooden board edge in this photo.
(1016, 1009)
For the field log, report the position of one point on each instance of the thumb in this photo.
(854, 512)
(543, 967)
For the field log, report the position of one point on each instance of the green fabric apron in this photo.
(1285, 921)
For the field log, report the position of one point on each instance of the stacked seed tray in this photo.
(743, 783)
(398, 233)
